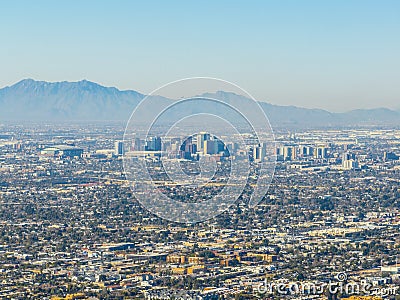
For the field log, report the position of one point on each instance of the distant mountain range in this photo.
(30, 100)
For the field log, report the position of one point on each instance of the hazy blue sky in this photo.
(336, 55)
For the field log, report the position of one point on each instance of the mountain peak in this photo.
(30, 99)
(85, 82)
(90, 85)
(30, 82)
(26, 82)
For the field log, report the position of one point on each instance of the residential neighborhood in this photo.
(71, 228)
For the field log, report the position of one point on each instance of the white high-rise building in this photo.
(259, 153)
(119, 148)
(201, 138)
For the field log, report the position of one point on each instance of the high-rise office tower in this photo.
(289, 153)
(306, 151)
(321, 152)
(119, 148)
(154, 144)
(201, 138)
(349, 161)
(259, 153)
(210, 147)
(137, 144)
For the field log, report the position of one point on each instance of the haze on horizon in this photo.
(337, 55)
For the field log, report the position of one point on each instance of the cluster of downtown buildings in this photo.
(70, 227)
